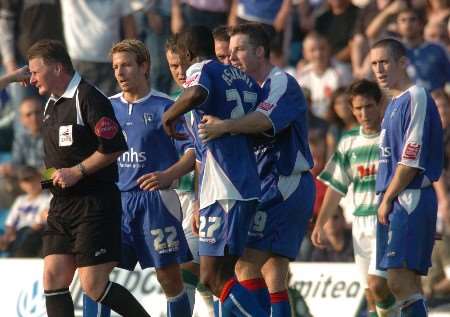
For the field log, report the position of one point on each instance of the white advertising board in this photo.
(327, 288)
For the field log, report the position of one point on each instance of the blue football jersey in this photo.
(411, 134)
(228, 166)
(149, 147)
(263, 11)
(286, 151)
(430, 66)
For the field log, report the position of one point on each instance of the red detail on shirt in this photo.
(106, 128)
(227, 289)
(328, 91)
(279, 297)
(366, 171)
(254, 284)
(411, 151)
(265, 106)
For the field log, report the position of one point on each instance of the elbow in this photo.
(199, 95)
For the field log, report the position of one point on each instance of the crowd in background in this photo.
(324, 44)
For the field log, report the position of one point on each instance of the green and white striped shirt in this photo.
(355, 162)
(186, 182)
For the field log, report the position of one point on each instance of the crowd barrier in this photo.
(327, 288)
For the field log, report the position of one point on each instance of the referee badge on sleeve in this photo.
(65, 135)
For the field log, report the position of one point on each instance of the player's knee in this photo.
(170, 281)
(245, 270)
(92, 288)
(56, 279)
(276, 277)
(208, 278)
(397, 286)
(378, 286)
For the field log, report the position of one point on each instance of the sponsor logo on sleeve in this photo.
(192, 80)
(411, 151)
(265, 106)
(106, 128)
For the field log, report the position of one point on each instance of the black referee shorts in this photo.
(87, 226)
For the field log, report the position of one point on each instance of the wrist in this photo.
(81, 170)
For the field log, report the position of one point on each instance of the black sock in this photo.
(120, 300)
(59, 303)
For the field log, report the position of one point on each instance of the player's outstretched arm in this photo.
(403, 176)
(252, 123)
(189, 99)
(21, 75)
(329, 205)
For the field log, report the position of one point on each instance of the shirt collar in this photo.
(71, 88)
(150, 93)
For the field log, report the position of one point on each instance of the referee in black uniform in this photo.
(82, 141)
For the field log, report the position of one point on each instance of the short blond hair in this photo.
(137, 48)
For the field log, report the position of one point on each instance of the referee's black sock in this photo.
(59, 303)
(120, 300)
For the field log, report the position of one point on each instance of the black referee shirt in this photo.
(76, 125)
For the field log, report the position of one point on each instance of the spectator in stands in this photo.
(268, 12)
(27, 150)
(26, 220)
(156, 31)
(430, 65)
(221, 44)
(272, 14)
(339, 247)
(198, 12)
(383, 22)
(316, 126)
(321, 75)
(442, 186)
(27, 147)
(90, 29)
(22, 23)
(436, 285)
(365, 32)
(436, 32)
(340, 118)
(337, 24)
(438, 11)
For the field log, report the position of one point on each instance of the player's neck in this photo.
(402, 85)
(370, 131)
(140, 92)
(61, 85)
(413, 41)
(262, 72)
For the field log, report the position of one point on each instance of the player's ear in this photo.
(58, 69)
(260, 51)
(403, 62)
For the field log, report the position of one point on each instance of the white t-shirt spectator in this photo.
(323, 86)
(26, 212)
(91, 27)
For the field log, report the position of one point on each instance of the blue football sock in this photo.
(258, 288)
(414, 307)
(280, 304)
(179, 306)
(91, 308)
(237, 300)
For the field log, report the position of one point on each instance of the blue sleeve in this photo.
(284, 103)
(183, 146)
(417, 127)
